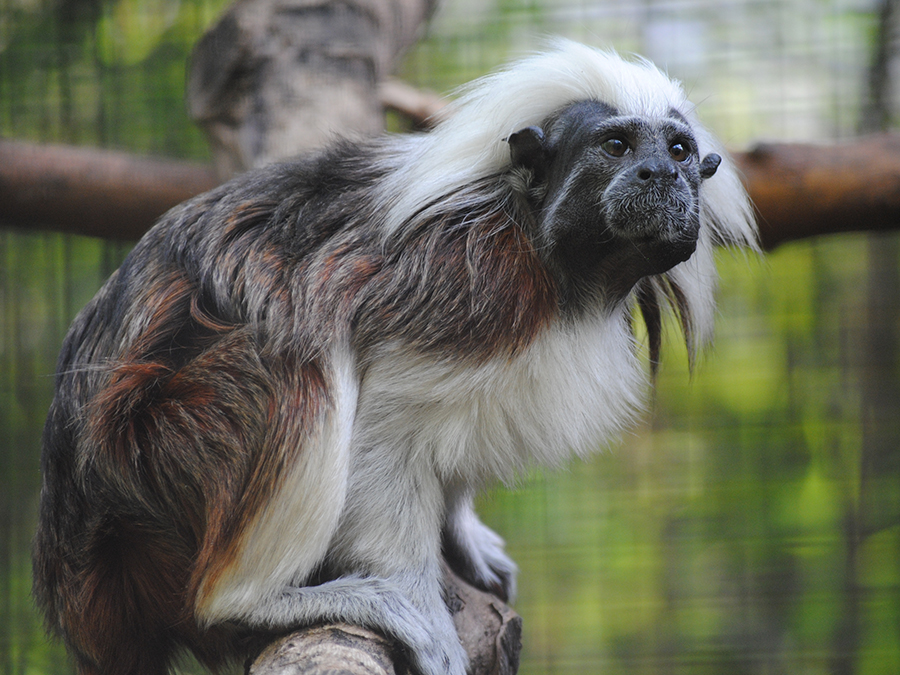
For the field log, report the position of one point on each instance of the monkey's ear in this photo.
(709, 164)
(527, 148)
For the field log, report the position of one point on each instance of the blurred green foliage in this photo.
(751, 526)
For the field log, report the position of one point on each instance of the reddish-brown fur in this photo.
(503, 294)
(189, 383)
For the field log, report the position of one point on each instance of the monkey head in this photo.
(616, 196)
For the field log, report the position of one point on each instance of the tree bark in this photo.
(807, 190)
(332, 649)
(100, 193)
(274, 78)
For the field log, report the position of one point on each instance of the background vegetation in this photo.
(751, 526)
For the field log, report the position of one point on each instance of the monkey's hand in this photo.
(475, 552)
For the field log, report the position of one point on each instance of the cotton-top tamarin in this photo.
(276, 412)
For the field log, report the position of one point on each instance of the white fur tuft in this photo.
(575, 389)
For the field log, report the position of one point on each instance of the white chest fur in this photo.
(572, 390)
(420, 422)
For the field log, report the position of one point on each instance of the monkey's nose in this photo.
(655, 169)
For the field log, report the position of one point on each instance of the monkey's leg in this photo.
(381, 604)
(475, 551)
(384, 559)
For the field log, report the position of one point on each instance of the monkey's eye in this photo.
(615, 146)
(680, 151)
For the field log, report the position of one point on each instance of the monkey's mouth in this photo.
(634, 234)
(662, 253)
(661, 229)
(651, 212)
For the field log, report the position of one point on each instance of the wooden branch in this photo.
(489, 630)
(95, 192)
(808, 190)
(799, 190)
(422, 108)
(321, 650)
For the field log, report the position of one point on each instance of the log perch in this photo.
(335, 648)
(100, 193)
(489, 630)
(807, 190)
(799, 190)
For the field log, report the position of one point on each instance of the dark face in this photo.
(616, 197)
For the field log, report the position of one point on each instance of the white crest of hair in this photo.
(470, 144)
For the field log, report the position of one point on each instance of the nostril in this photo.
(654, 170)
